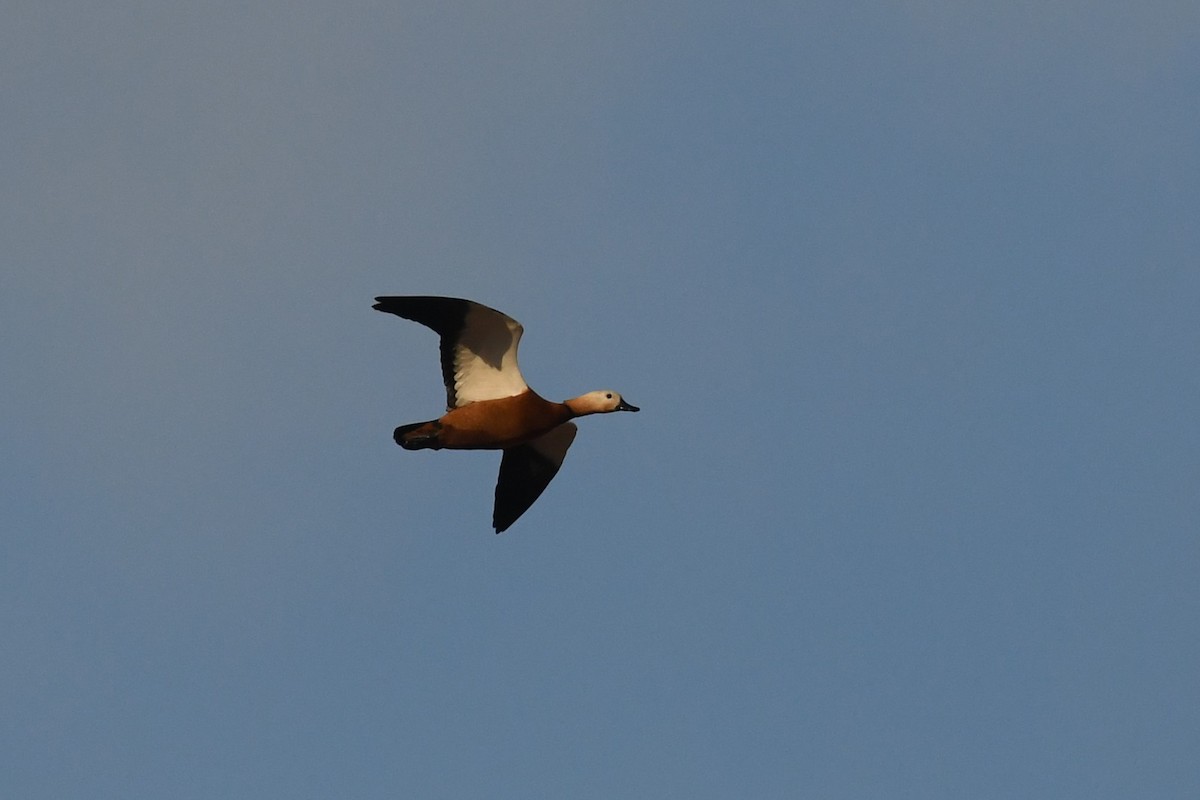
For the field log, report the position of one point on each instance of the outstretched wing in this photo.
(478, 345)
(525, 472)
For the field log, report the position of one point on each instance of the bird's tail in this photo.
(419, 435)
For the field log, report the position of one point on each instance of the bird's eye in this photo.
(608, 396)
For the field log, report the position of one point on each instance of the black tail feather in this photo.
(426, 439)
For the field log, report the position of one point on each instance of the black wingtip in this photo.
(445, 315)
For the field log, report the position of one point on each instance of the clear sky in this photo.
(907, 293)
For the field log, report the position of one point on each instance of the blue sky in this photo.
(907, 294)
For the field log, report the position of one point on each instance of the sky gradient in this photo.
(907, 295)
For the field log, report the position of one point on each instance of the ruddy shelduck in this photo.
(488, 404)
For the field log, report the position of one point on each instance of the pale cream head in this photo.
(603, 401)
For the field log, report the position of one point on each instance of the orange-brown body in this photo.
(488, 424)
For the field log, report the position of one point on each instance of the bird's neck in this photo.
(578, 407)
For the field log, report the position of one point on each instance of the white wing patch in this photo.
(485, 357)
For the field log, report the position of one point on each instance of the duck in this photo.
(488, 404)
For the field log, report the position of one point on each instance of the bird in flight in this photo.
(488, 404)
